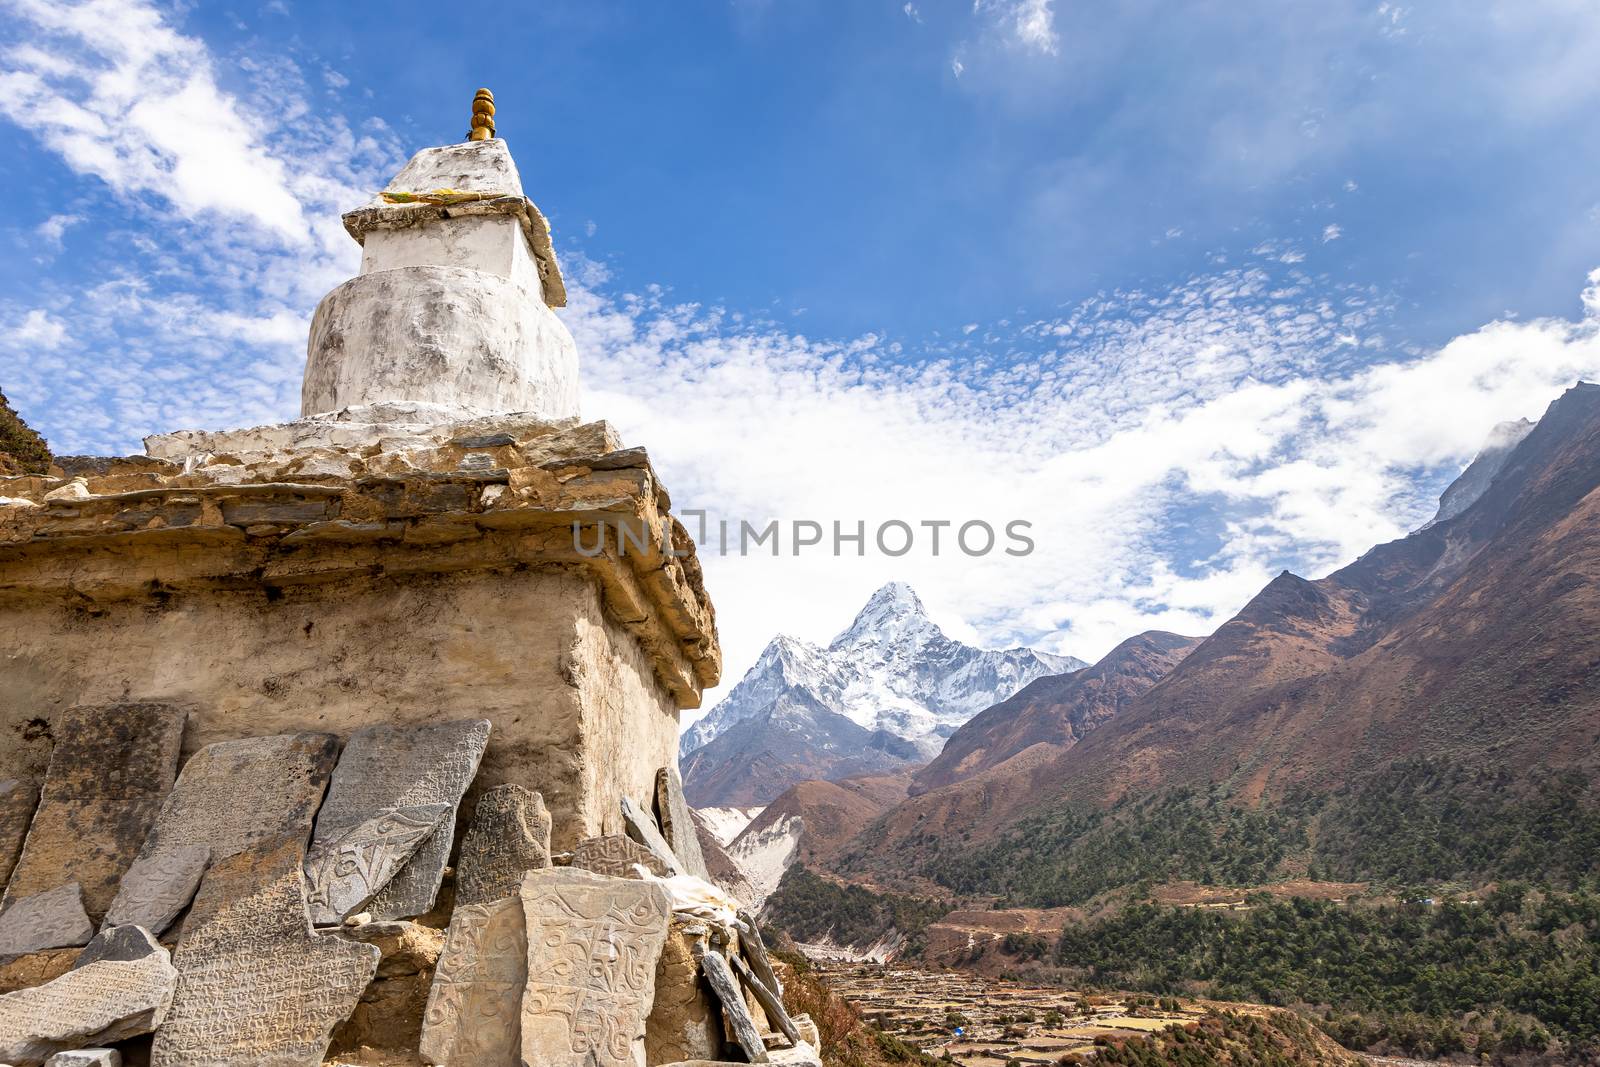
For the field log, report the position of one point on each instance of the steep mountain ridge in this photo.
(1056, 711)
(1474, 640)
(885, 693)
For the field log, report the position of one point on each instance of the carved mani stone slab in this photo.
(258, 987)
(282, 778)
(17, 799)
(474, 1009)
(677, 825)
(615, 856)
(86, 1057)
(125, 991)
(108, 774)
(642, 828)
(158, 886)
(52, 919)
(345, 873)
(385, 767)
(509, 836)
(593, 943)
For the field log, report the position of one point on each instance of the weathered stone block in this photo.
(52, 919)
(386, 767)
(158, 886)
(109, 772)
(259, 987)
(677, 824)
(283, 776)
(475, 1005)
(593, 945)
(509, 836)
(734, 1009)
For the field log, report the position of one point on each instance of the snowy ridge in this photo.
(891, 670)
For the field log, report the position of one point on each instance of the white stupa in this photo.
(450, 316)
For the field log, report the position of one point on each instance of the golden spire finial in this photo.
(482, 116)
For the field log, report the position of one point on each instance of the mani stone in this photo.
(232, 796)
(475, 1004)
(615, 856)
(109, 771)
(52, 919)
(117, 996)
(86, 1057)
(258, 986)
(117, 943)
(734, 1009)
(642, 828)
(17, 799)
(593, 943)
(386, 767)
(347, 872)
(677, 824)
(509, 836)
(158, 886)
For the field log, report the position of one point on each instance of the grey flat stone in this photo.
(118, 943)
(616, 856)
(734, 1009)
(259, 987)
(98, 1004)
(677, 824)
(593, 946)
(385, 767)
(642, 828)
(109, 772)
(158, 886)
(52, 919)
(509, 836)
(475, 1003)
(86, 1057)
(17, 801)
(283, 776)
(342, 875)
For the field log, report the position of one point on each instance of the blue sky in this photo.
(1202, 291)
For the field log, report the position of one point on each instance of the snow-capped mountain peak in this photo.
(892, 672)
(894, 614)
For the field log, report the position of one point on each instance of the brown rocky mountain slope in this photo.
(1055, 711)
(831, 812)
(1475, 639)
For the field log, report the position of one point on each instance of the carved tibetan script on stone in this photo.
(282, 777)
(475, 1004)
(616, 855)
(387, 767)
(345, 873)
(257, 986)
(509, 836)
(593, 944)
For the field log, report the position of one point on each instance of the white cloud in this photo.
(53, 229)
(1029, 23)
(911, 12)
(956, 66)
(1332, 232)
(38, 331)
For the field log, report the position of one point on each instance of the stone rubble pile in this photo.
(310, 915)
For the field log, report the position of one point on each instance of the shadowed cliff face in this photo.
(1475, 639)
